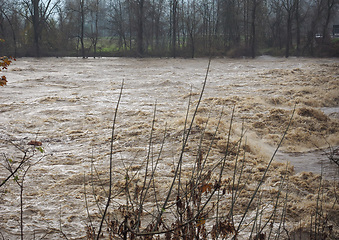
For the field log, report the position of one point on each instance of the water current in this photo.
(68, 105)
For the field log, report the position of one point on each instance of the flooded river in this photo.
(68, 104)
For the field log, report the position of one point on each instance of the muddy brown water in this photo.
(316, 161)
(68, 105)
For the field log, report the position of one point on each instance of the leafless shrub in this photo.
(192, 207)
(18, 168)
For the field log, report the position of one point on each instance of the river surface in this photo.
(68, 105)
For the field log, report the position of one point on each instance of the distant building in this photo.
(336, 31)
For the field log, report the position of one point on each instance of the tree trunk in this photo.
(36, 23)
(13, 32)
(96, 34)
(192, 45)
(140, 31)
(297, 18)
(329, 6)
(253, 39)
(174, 26)
(289, 35)
(82, 12)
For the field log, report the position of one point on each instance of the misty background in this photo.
(169, 28)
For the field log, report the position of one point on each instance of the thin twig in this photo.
(183, 150)
(266, 170)
(110, 163)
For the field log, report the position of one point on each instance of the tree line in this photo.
(171, 28)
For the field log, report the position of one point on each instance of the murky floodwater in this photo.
(314, 161)
(68, 105)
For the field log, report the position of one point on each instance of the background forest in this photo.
(169, 28)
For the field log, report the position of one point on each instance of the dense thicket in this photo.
(177, 28)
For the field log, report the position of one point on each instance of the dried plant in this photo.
(193, 207)
(19, 167)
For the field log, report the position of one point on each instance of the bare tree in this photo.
(290, 7)
(38, 13)
(297, 20)
(8, 13)
(330, 6)
(186, 27)
(317, 10)
(158, 13)
(174, 8)
(229, 19)
(82, 27)
(140, 24)
(253, 28)
(191, 24)
(135, 11)
(94, 8)
(117, 20)
(79, 10)
(276, 24)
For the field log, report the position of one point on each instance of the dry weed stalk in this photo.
(191, 208)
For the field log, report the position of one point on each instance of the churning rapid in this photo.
(67, 104)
